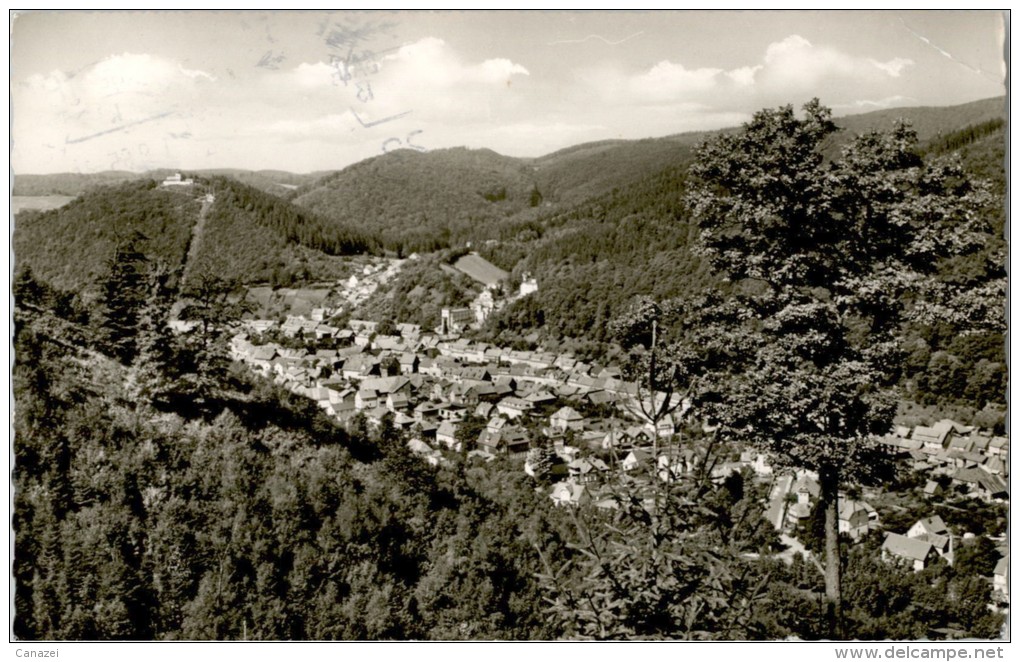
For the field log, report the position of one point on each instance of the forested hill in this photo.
(238, 233)
(592, 260)
(420, 202)
(71, 247)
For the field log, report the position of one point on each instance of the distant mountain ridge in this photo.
(281, 225)
(928, 121)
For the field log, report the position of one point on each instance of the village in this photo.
(576, 424)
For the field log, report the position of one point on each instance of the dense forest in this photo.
(253, 237)
(445, 197)
(70, 247)
(154, 504)
(593, 260)
(244, 234)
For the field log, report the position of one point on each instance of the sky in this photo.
(310, 91)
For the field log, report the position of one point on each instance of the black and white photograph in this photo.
(509, 326)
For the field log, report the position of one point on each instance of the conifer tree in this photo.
(122, 298)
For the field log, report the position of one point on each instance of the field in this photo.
(44, 202)
(289, 301)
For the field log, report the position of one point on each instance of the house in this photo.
(451, 411)
(514, 407)
(376, 415)
(403, 421)
(387, 385)
(759, 462)
(425, 410)
(806, 489)
(637, 459)
(455, 320)
(321, 396)
(566, 493)
(510, 440)
(446, 434)
(854, 518)
(567, 419)
(325, 331)
(995, 465)
(360, 367)
(409, 331)
(366, 399)
(496, 424)
(261, 358)
(396, 402)
(600, 397)
(723, 470)
(932, 489)
(592, 439)
(363, 326)
(409, 363)
(961, 444)
(541, 398)
(998, 446)
(389, 343)
(934, 531)
(587, 470)
(918, 554)
(981, 483)
(176, 180)
(935, 437)
(362, 338)
(485, 410)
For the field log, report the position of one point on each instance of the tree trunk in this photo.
(829, 483)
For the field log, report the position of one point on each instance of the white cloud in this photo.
(431, 62)
(137, 73)
(893, 67)
(744, 76)
(668, 80)
(112, 114)
(789, 68)
(495, 71)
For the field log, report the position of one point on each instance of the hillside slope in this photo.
(246, 235)
(421, 202)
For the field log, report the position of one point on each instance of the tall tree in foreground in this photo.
(822, 256)
(122, 299)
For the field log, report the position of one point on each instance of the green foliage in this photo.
(72, 247)
(976, 557)
(257, 523)
(963, 137)
(825, 254)
(447, 197)
(653, 566)
(418, 294)
(122, 298)
(593, 260)
(268, 239)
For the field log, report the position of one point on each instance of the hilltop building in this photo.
(176, 180)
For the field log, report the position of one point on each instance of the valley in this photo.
(610, 392)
